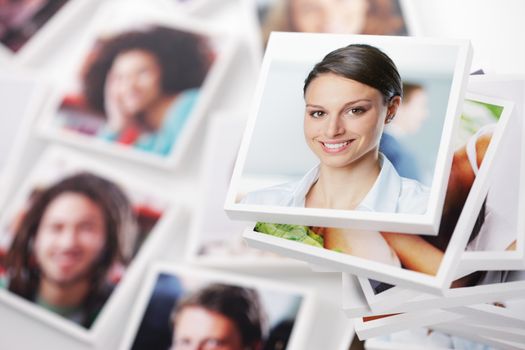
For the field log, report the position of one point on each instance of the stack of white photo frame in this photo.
(471, 222)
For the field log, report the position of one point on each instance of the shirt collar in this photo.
(386, 190)
(382, 197)
(304, 185)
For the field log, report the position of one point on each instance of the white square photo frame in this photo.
(215, 240)
(385, 270)
(288, 58)
(85, 105)
(190, 280)
(157, 212)
(191, 7)
(380, 344)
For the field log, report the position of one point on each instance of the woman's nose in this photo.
(68, 237)
(334, 126)
(127, 82)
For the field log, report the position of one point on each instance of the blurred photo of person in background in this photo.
(139, 88)
(21, 19)
(65, 245)
(376, 17)
(219, 317)
(409, 118)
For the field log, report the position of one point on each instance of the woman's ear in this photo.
(391, 111)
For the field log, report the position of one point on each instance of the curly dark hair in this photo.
(23, 271)
(184, 59)
(241, 305)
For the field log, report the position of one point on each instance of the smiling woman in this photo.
(349, 97)
(139, 88)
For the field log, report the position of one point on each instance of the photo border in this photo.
(395, 275)
(190, 7)
(158, 235)
(379, 344)
(34, 101)
(209, 88)
(301, 325)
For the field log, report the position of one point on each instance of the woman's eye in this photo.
(317, 114)
(355, 111)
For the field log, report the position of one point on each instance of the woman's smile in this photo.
(335, 146)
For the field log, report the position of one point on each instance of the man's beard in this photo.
(84, 275)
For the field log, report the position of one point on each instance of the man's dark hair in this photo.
(240, 305)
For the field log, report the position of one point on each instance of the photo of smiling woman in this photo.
(349, 98)
(138, 88)
(71, 244)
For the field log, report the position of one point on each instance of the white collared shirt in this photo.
(390, 193)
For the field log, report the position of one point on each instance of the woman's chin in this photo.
(336, 163)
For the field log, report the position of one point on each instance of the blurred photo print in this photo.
(185, 308)
(70, 235)
(140, 84)
(372, 17)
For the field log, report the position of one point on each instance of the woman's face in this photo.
(135, 81)
(343, 120)
(70, 238)
(328, 16)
